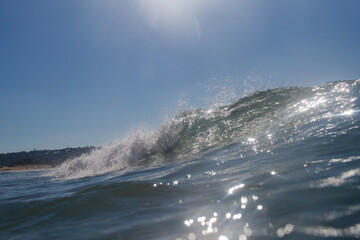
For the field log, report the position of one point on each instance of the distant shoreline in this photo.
(27, 168)
(39, 159)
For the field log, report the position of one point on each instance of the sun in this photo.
(175, 18)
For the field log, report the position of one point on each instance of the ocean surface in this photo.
(282, 163)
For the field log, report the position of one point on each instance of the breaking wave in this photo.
(263, 120)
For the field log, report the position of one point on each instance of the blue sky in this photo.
(86, 72)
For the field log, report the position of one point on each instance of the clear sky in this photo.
(86, 72)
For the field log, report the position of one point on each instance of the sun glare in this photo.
(175, 18)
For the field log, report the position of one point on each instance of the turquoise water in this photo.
(282, 163)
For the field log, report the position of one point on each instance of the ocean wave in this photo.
(263, 120)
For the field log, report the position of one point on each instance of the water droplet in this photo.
(280, 232)
(192, 236)
(242, 237)
(222, 237)
(288, 228)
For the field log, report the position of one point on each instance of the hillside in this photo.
(42, 157)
